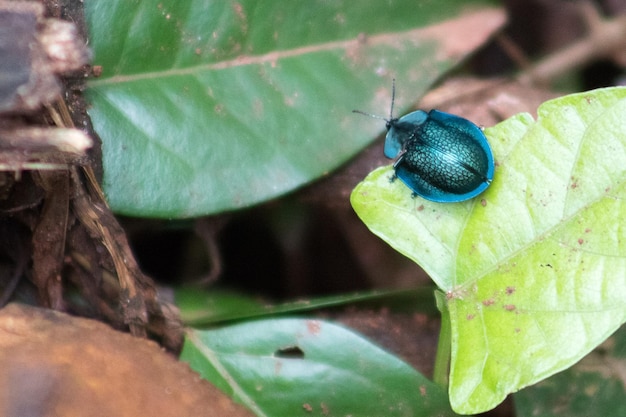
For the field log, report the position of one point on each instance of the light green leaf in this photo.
(596, 386)
(534, 269)
(205, 106)
(292, 367)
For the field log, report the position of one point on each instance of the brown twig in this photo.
(137, 296)
(606, 37)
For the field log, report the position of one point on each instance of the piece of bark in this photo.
(33, 50)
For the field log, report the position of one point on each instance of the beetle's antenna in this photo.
(393, 97)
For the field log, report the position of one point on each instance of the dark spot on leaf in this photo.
(509, 307)
(471, 316)
(488, 302)
(510, 290)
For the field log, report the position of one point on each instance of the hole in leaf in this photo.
(290, 352)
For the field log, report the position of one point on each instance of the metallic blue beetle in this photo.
(442, 157)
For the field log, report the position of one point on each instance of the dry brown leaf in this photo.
(57, 365)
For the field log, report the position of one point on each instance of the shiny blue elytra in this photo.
(442, 157)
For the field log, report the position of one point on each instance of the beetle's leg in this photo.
(395, 164)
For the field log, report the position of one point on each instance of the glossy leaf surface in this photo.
(205, 106)
(293, 367)
(535, 268)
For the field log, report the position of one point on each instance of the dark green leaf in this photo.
(203, 308)
(293, 367)
(205, 106)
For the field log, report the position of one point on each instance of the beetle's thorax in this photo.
(404, 131)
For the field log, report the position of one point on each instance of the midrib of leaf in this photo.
(537, 240)
(238, 391)
(413, 35)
